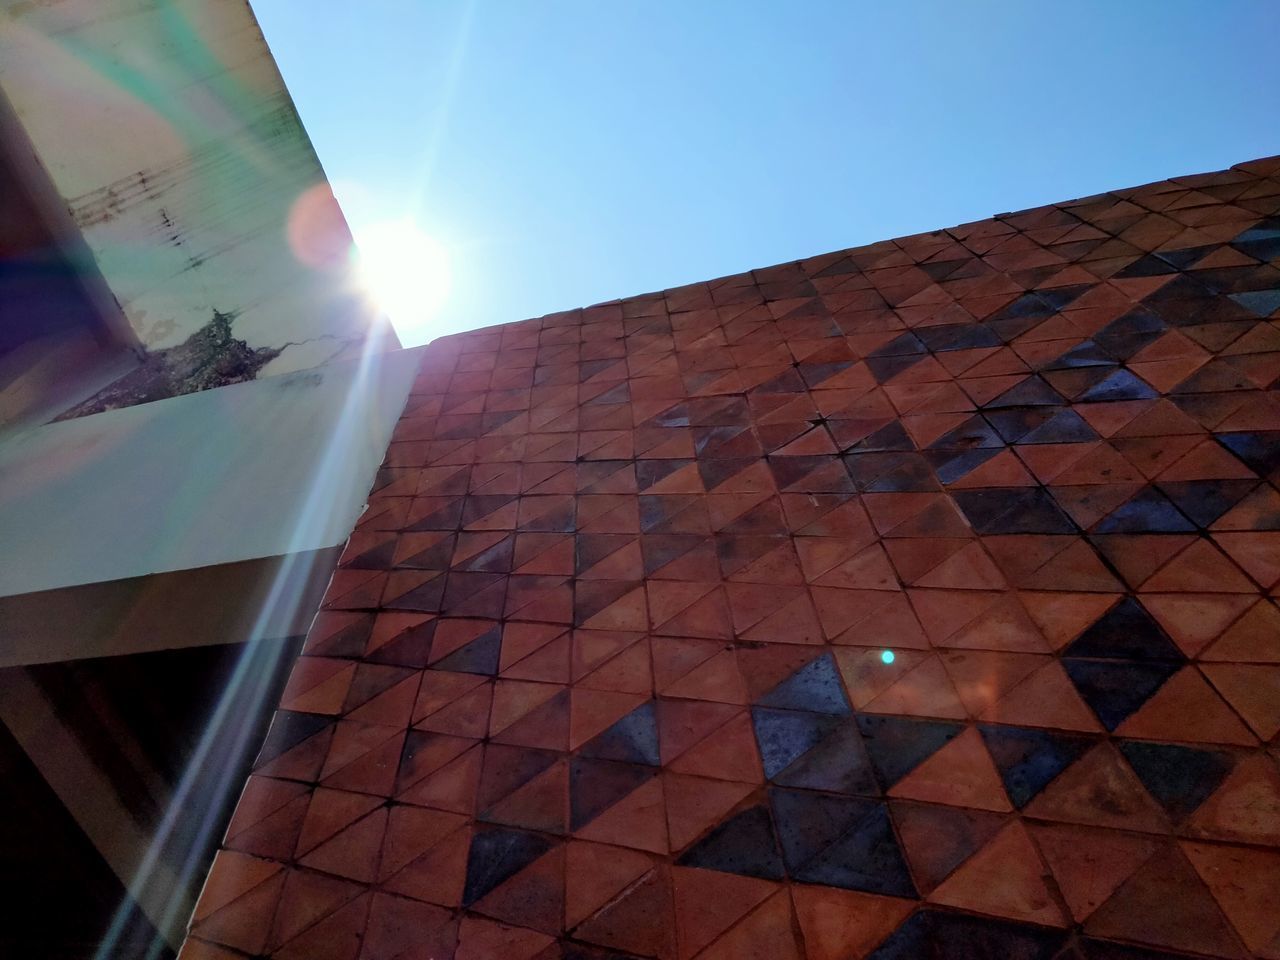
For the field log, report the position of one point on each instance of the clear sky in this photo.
(565, 152)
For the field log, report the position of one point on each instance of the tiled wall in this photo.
(912, 600)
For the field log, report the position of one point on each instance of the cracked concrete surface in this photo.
(210, 357)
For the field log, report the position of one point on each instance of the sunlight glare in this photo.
(407, 272)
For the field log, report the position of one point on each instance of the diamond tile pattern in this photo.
(916, 600)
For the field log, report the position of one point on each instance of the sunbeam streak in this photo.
(213, 773)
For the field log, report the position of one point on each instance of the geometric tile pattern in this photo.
(916, 600)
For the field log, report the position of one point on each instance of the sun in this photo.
(407, 272)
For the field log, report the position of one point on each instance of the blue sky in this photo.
(565, 153)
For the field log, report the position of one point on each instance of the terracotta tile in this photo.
(533, 898)
(1253, 691)
(336, 937)
(767, 932)
(1005, 878)
(868, 618)
(638, 821)
(924, 690)
(1062, 617)
(595, 874)
(1255, 637)
(1167, 904)
(1187, 708)
(1243, 881)
(1195, 620)
(396, 926)
(695, 804)
(728, 754)
(1244, 807)
(1047, 698)
(231, 877)
(480, 938)
(1090, 864)
(1100, 790)
(681, 724)
(841, 923)
(960, 774)
(329, 812)
(707, 903)
(1199, 568)
(353, 852)
(642, 920)
(306, 899)
(981, 678)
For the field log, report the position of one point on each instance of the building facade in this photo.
(910, 600)
(917, 599)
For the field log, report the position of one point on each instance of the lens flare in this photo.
(407, 272)
(886, 656)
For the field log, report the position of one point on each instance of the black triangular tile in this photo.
(897, 745)
(744, 844)
(1029, 759)
(815, 687)
(837, 764)
(478, 656)
(1115, 689)
(1125, 632)
(631, 739)
(1181, 778)
(783, 736)
(496, 855)
(596, 785)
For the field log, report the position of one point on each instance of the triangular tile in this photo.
(838, 924)
(936, 839)
(1047, 698)
(1166, 904)
(728, 754)
(638, 820)
(1187, 708)
(595, 874)
(981, 678)
(641, 921)
(1253, 690)
(924, 690)
(1005, 879)
(744, 844)
(1195, 620)
(694, 804)
(769, 930)
(897, 745)
(539, 804)
(631, 739)
(1254, 638)
(961, 774)
(496, 855)
(1028, 760)
(707, 903)
(840, 842)
(1246, 808)
(1180, 778)
(533, 898)
(1116, 689)
(783, 736)
(1088, 863)
(1243, 881)
(1099, 790)
(837, 763)
(815, 687)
